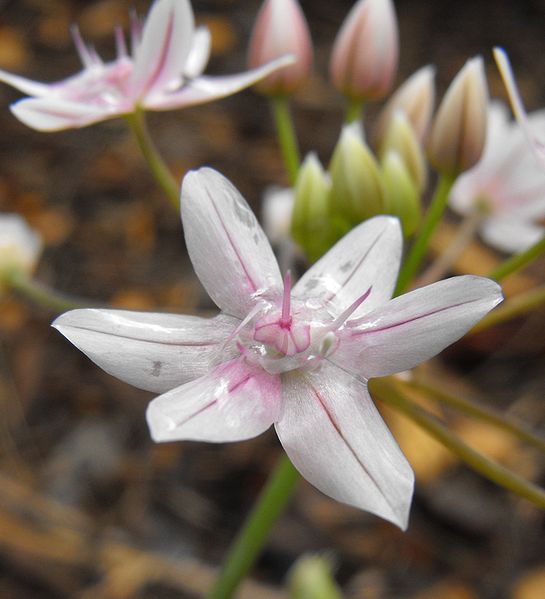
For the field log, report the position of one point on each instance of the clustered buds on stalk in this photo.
(20, 247)
(458, 132)
(281, 29)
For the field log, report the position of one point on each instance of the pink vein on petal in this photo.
(154, 75)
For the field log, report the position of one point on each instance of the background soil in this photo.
(89, 506)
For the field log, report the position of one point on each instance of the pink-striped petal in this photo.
(335, 437)
(230, 253)
(366, 258)
(156, 352)
(166, 42)
(416, 326)
(233, 402)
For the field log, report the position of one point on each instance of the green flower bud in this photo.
(311, 578)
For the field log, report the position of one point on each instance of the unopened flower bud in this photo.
(280, 29)
(458, 132)
(276, 211)
(401, 138)
(311, 578)
(416, 98)
(356, 188)
(365, 54)
(402, 198)
(20, 247)
(310, 224)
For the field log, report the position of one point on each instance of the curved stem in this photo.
(518, 261)
(44, 295)
(286, 136)
(251, 538)
(157, 166)
(433, 216)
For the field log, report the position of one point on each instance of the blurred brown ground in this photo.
(89, 506)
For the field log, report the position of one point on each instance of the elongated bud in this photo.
(458, 132)
(401, 196)
(401, 138)
(365, 54)
(281, 28)
(416, 98)
(356, 188)
(310, 223)
(20, 247)
(312, 578)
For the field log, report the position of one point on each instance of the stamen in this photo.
(81, 47)
(340, 320)
(136, 30)
(286, 300)
(121, 46)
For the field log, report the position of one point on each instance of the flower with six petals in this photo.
(297, 357)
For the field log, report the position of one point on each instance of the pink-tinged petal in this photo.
(166, 42)
(55, 114)
(156, 352)
(199, 54)
(335, 437)
(27, 86)
(366, 258)
(235, 401)
(511, 235)
(416, 326)
(206, 89)
(230, 253)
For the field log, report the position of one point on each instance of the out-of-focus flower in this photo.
(20, 247)
(311, 577)
(281, 29)
(276, 213)
(458, 132)
(163, 73)
(415, 98)
(296, 358)
(365, 54)
(507, 186)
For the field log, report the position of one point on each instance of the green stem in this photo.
(513, 307)
(483, 413)
(286, 136)
(44, 295)
(488, 468)
(518, 261)
(157, 166)
(433, 216)
(354, 110)
(252, 536)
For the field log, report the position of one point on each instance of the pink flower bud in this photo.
(280, 29)
(364, 59)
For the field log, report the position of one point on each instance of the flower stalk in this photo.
(286, 136)
(518, 261)
(252, 536)
(354, 110)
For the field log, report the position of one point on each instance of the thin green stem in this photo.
(513, 307)
(354, 110)
(286, 136)
(157, 166)
(488, 468)
(251, 538)
(44, 295)
(418, 250)
(518, 261)
(483, 413)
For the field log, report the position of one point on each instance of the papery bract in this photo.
(296, 358)
(507, 186)
(163, 73)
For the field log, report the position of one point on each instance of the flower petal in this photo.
(510, 235)
(156, 352)
(55, 114)
(162, 52)
(230, 253)
(366, 258)
(416, 326)
(27, 86)
(206, 89)
(234, 402)
(199, 54)
(336, 438)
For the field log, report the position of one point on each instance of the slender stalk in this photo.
(156, 164)
(490, 469)
(354, 110)
(444, 261)
(286, 136)
(251, 538)
(433, 216)
(44, 295)
(518, 261)
(513, 307)
(481, 412)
